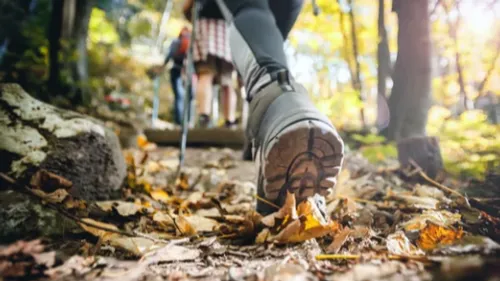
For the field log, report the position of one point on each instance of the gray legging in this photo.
(258, 29)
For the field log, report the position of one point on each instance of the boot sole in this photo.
(304, 158)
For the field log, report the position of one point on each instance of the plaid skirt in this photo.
(212, 38)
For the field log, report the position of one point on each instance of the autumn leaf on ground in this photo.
(144, 144)
(338, 240)
(434, 235)
(49, 182)
(182, 182)
(55, 197)
(123, 208)
(183, 226)
(398, 244)
(443, 218)
(298, 224)
(25, 260)
(135, 245)
(160, 195)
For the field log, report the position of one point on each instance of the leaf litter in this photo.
(376, 226)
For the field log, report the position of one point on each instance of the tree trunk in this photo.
(354, 71)
(80, 35)
(424, 151)
(384, 62)
(54, 83)
(410, 97)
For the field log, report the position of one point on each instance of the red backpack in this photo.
(184, 43)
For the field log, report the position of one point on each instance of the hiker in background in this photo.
(177, 53)
(212, 58)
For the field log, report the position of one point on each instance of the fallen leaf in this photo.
(49, 182)
(434, 235)
(184, 227)
(135, 245)
(25, 260)
(170, 253)
(262, 236)
(123, 208)
(169, 164)
(200, 223)
(160, 195)
(286, 212)
(305, 222)
(182, 182)
(339, 240)
(55, 197)
(443, 218)
(398, 244)
(153, 167)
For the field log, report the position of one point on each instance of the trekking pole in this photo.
(316, 9)
(189, 88)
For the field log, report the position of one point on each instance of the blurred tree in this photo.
(383, 68)
(410, 97)
(69, 24)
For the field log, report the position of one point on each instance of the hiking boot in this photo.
(204, 121)
(296, 147)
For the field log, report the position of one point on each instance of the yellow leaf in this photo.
(142, 141)
(153, 167)
(434, 235)
(160, 195)
(182, 182)
(184, 227)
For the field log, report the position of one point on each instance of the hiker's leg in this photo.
(285, 12)
(178, 88)
(229, 98)
(297, 147)
(204, 89)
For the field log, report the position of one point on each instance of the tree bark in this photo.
(384, 62)
(80, 35)
(424, 151)
(410, 97)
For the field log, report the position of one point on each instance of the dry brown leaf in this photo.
(339, 240)
(311, 224)
(55, 197)
(443, 218)
(170, 253)
(160, 195)
(299, 224)
(136, 245)
(263, 236)
(200, 223)
(434, 235)
(48, 181)
(153, 167)
(398, 244)
(169, 164)
(123, 208)
(183, 227)
(286, 212)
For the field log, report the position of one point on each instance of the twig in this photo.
(265, 201)
(443, 187)
(65, 213)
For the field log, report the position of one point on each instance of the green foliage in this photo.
(469, 144)
(101, 31)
